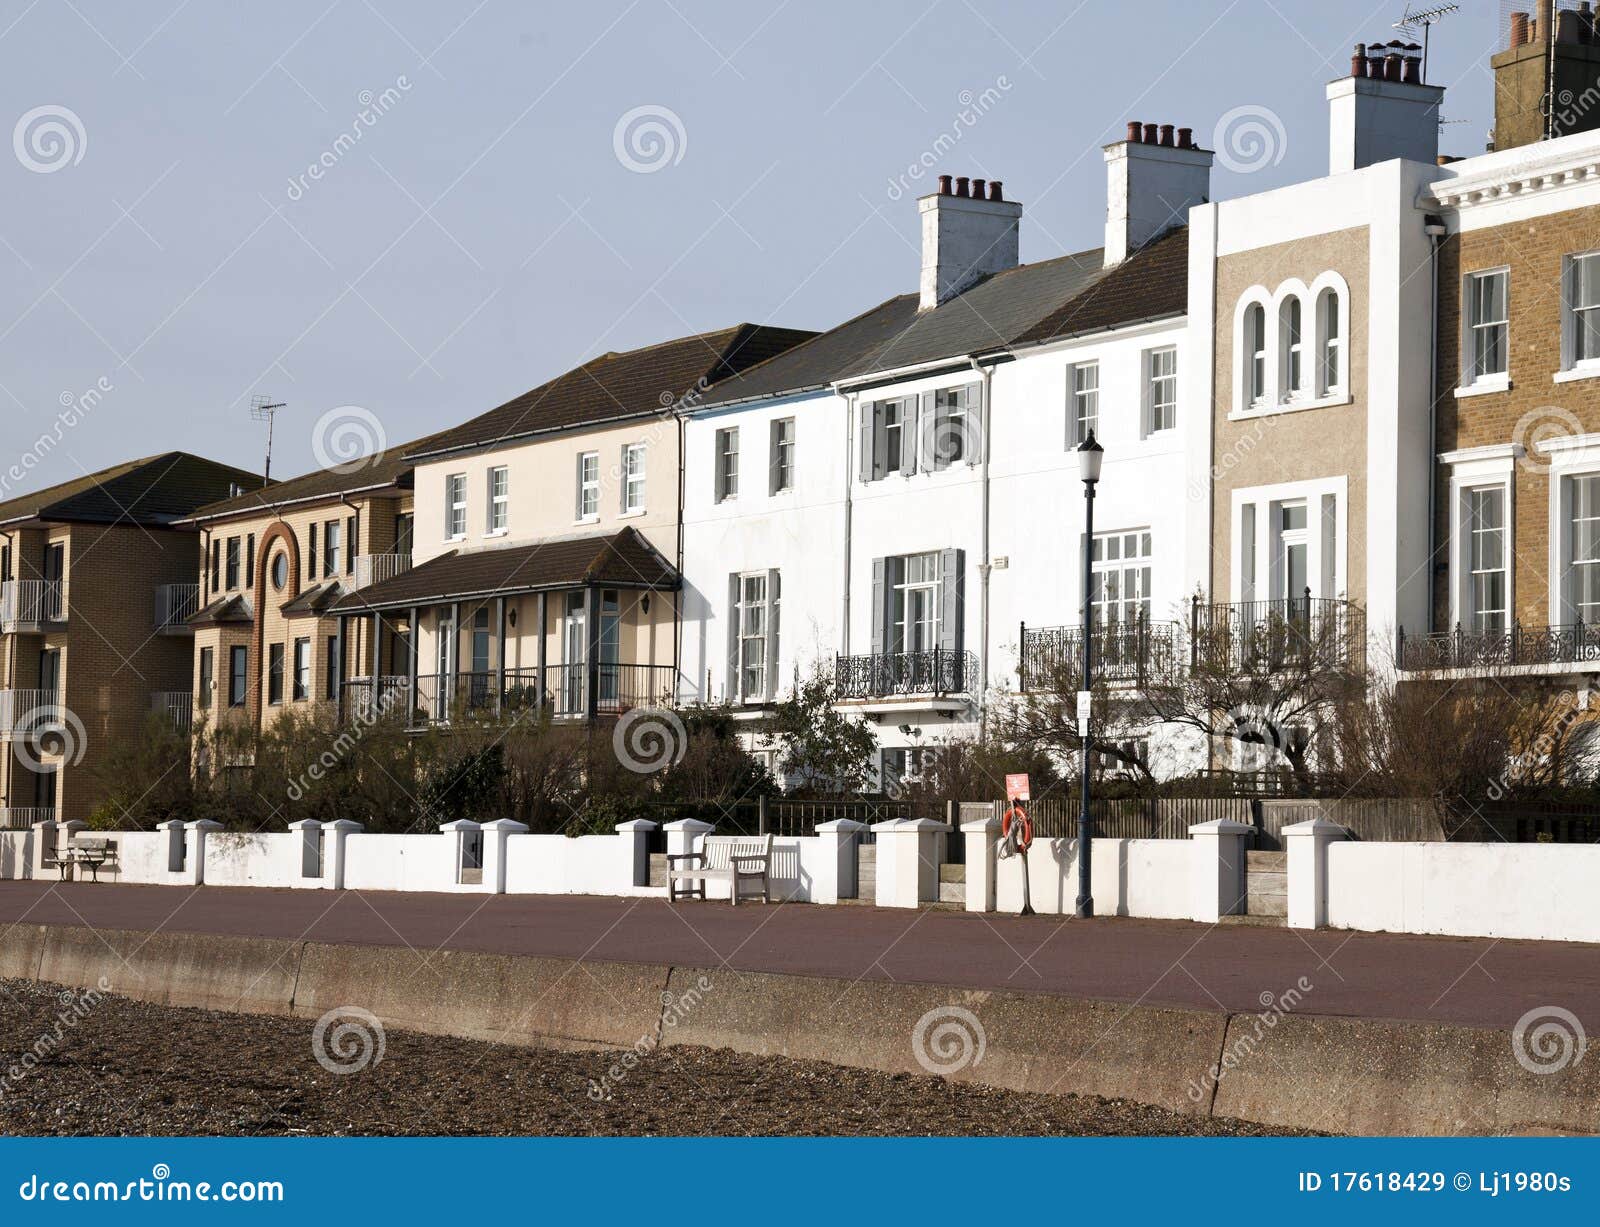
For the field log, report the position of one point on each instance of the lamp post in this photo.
(1090, 454)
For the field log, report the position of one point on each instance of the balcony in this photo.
(1130, 653)
(175, 605)
(564, 693)
(939, 673)
(376, 568)
(26, 713)
(32, 605)
(175, 706)
(1295, 633)
(1533, 648)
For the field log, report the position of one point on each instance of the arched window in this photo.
(1330, 343)
(1291, 337)
(1255, 349)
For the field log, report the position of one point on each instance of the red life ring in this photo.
(1025, 836)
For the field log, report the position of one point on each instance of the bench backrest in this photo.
(720, 849)
(95, 845)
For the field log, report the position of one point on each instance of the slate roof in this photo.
(617, 386)
(623, 560)
(156, 491)
(317, 599)
(1151, 284)
(226, 609)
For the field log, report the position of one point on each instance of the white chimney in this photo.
(1382, 111)
(1152, 179)
(967, 234)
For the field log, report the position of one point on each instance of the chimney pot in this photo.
(1413, 71)
(1166, 134)
(1134, 131)
(961, 185)
(1358, 61)
(1151, 135)
(978, 188)
(1544, 24)
(994, 190)
(944, 185)
(1185, 138)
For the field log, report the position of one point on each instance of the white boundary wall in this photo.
(567, 865)
(1128, 877)
(403, 862)
(268, 859)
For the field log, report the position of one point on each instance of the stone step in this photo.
(658, 869)
(953, 892)
(1269, 862)
(1265, 922)
(1267, 905)
(952, 873)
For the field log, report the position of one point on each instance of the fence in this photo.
(1152, 817)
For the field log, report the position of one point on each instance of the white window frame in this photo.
(1475, 535)
(1253, 537)
(455, 506)
(498, 501)
(1083, 401)
(1138, 566)
(1253, 361)
(783, 453)
(1471, 469)
(633, 475)
(588, 504)
(1291, 349)
(1332, 343)
(1570, 315)
(726, 459)
(1168, 408)
(753, 612)
(898, 623)
(1471, 326)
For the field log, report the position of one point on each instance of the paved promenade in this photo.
(1225, 968)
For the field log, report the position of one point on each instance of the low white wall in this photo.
(572, 865)
(266, 859)
(16, 854)
(1129, 877)
(1468, 890)
(402, 862)
(142, 857)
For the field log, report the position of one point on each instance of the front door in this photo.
(574, 656)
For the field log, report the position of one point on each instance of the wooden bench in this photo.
(734, 859)
(92, 853)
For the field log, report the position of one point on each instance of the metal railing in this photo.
(32, 602)
(1132, 651)
(1294, 631)
(376, 568)
(565, 692)
(176, 706)
(941, 671)
(20, 818)
(26, 712)
(175, 605)
(1572, 643)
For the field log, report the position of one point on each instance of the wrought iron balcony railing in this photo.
(1134, 652)
(1573, 643)
(1295, 632)
(938, 672)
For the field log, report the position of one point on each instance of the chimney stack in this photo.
(1551, 61)
(1382, 110)
(967, 234)
(1152, 180)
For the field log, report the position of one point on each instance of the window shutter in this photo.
(774, 581)
(250, 561)
(311, 554)
(951, 590)
(871, 448)
(731, 692)
(935, 433)
(880, 606)
(351, 526)
(719, 490)
(772, 458)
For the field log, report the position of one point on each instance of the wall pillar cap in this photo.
(691, 824)
(910, 824)
(461, 824)
(171, 824)
(508, 825)
(302, 824)
(1316, 826)
(979, 825)
(204, 824)
(1221, 826)
(637, 824)
(346, 824)
(845, 826)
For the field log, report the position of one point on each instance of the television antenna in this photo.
(264, 409)
(1427, 18)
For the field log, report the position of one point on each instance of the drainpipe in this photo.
(851, 407)
(987, 375)
(1435, 229)
(677, 597)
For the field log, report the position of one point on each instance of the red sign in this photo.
(1017, 789)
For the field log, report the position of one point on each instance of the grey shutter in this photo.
(935, 433)
(774, 581)
(951, 605)
(717, 492)
(880, 444)
(732, 690)
(864, 460)
(772, 457)
(880, 597)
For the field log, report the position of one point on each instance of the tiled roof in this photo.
(1153, 283)
(621, 385)
(624, 560)
(155, 491)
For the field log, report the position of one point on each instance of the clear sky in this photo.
(544, 182)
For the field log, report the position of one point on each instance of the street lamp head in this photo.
(1090, 454)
